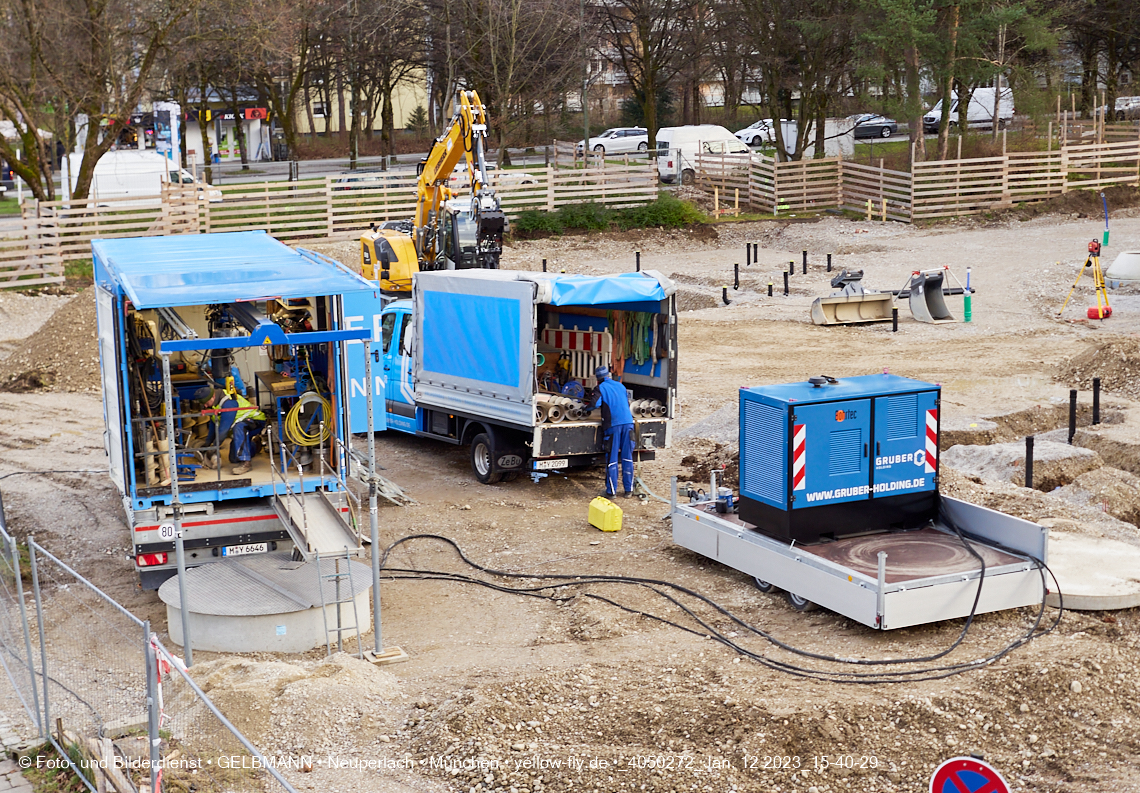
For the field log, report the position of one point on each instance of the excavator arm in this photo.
(466, 237)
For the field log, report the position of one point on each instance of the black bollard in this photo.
(805, 262)
(756, 252)
(637, 255)
(736, 275)
(829, 262)
(894, 320)
(1072, 414)
(724, 295)
(769, 289)
(791, 268)
(544, 265)
(747, 253)
(785, 284)
(1029, 461)
(1096, 400)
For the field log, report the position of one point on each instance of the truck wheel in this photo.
(764, 586)
(801, 603)
(482, 453)
(688, 176)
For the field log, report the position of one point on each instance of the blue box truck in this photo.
(503, 361)
(246, 314)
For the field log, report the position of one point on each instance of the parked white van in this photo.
(980, 113)
(129, 173)
(677, 149)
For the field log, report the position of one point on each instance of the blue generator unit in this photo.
(831, 458)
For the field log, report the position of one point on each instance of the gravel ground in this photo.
(496, 682)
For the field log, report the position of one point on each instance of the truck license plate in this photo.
(242, 550)
(547, 465)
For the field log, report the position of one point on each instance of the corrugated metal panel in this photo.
(765, 457)
(902, 417)
(846, 451)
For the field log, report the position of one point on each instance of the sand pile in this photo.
(62, 355)
(1115, 362)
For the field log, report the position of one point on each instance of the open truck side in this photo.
(503, 361)
(238, 311)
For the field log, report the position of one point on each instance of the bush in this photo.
(667, 211)
(590, 216)
(537, 221)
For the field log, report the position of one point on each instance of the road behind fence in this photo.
(103, 691)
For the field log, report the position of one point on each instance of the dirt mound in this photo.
(1116, 362)
(692, 300)
(1054, 464)
(1084, 203)
(304, 706)
(1110, 489)
(709, 456)
(62, 355)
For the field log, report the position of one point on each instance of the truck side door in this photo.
(400, 400)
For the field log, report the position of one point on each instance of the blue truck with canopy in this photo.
(503, 361)
(183, 316)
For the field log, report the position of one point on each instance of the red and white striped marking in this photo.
(799, 458)
(583, 340)
(932, 441)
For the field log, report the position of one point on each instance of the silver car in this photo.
(619, 140)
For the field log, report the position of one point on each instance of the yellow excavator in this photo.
(449, 231)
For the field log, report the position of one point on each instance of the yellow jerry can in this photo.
(605, 514)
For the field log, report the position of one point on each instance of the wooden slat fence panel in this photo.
(762, 183)
(863, 183)
(1035, 175)
(29, 254)
(1094, 166)
(807, 185)
(948, 188)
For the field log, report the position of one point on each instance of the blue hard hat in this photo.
(601, 373)
(204, 393)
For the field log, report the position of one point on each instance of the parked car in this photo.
(980, 112)
(359, 180)
(619, 140)
(7, 177)
(759, 133)
(872, 125)
(460, 178)
(183, 176)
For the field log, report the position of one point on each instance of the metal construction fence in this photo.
(113, 702)
(941, 188)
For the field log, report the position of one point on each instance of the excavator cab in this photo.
(388, 255)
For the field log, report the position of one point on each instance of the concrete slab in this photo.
(1094, 574)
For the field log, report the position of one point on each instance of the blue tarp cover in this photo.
(200, 269)
(589, 290)
(472, 336)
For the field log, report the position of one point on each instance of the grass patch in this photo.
(666, 211)
(50, 774)
(79, 271)
(8, 206)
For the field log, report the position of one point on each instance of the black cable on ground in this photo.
(661, 588)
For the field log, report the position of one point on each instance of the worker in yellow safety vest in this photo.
(237, 415)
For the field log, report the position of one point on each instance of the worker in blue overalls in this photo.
(238, 416)
(617, 422)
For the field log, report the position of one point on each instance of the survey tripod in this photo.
(1103, 310)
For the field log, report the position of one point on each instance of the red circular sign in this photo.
(967, 775)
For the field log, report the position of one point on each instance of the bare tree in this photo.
(644, 38)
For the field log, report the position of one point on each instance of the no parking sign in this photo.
(967, 775)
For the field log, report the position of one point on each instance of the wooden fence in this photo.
(942, 188)
(53, 232)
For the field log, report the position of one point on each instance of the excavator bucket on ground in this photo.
(852, 303)
(926, 301)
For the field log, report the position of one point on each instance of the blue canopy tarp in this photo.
(200, 269)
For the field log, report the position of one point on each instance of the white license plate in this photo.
(547, 465)
(242, 550)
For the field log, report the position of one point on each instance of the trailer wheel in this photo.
(764, 586)
(801, 603)
(482, 453)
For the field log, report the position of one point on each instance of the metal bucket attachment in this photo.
(926, 301)
(852, 304)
